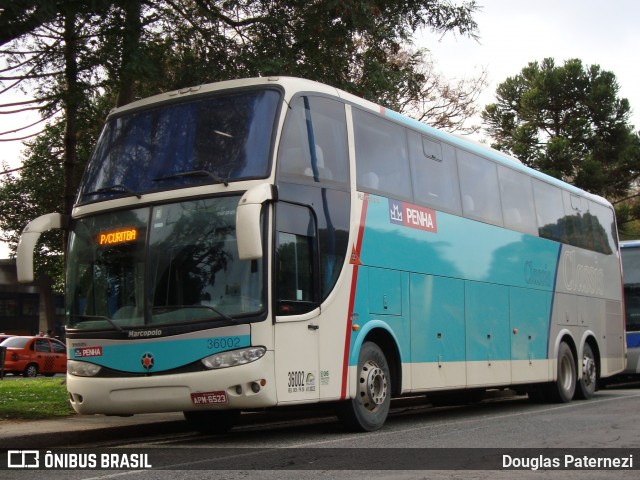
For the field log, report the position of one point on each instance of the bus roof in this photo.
(293, 85)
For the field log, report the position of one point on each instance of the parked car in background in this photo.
(31, 356)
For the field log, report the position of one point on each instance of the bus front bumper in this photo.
(242, 387)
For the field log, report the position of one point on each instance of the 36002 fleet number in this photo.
(223, 343)
(296, 379)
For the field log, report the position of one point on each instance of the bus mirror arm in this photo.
(29, 239)
(248, 225)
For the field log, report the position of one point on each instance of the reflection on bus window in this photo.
(382, 159)
(313, 147)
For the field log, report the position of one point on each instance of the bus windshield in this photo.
(161, 265)
(631, 270)
(205, 139)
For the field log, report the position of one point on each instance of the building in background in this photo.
(28, 309)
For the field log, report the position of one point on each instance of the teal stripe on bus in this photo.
(165, 355)
(459, 291)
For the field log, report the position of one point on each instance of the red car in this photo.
(30, 356)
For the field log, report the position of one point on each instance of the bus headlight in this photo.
(82, 369)
(234, 357)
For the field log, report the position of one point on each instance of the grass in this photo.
(34, 398)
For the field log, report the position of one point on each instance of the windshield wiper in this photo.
(100, 317)
(195, 173)
(224, 316)
(114, 188)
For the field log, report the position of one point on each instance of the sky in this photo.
(515, 32)
(512, 34)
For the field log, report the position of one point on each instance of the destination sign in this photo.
(118, 236)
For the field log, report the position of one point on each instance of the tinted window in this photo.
(185, 269)
(516, 194)
(58, 347)
(549, 210)
(295, 260)
(319, 123)
(434, 173)
(603, 228)
(203, 140)
(479, 188)
(42, 345)
(381, 156)
(631, 270)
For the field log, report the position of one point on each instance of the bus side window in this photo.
(382, 160)
(516, 194)
(603, 228)
(313, 147)
(549, 210)
(295, 260)
(479, 187)
(434, 173)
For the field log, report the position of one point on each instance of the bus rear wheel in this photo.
(563, 389)
(368, 411)
(212, 421)
(586, 387)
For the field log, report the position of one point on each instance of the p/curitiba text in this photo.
(542, 462)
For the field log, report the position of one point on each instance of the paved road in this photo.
(317, 446)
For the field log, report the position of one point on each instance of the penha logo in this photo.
(87, 352)
(413, 216)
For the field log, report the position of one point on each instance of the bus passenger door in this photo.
(296, 304)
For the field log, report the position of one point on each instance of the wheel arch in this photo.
(381, 334)
(565, 336)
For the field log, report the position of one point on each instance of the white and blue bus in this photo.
(274, 241)
(630, 251)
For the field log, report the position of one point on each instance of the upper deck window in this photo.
(313, 148)
(382, 159)
(206, 139)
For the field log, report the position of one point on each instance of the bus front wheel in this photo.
(368, 411)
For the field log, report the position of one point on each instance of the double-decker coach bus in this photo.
(630, 251)
(275, 241)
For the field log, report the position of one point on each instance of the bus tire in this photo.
(212, 421)
(368, 411)
(586, 387)
(563, 389)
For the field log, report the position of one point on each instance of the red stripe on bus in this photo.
(352, 296)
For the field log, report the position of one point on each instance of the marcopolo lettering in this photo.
(156, 332)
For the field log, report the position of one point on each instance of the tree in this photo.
(569, 122)
(76, 56)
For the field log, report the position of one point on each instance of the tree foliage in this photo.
(569, 122)
(79, 58)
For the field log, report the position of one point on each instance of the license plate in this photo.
(209, 398)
